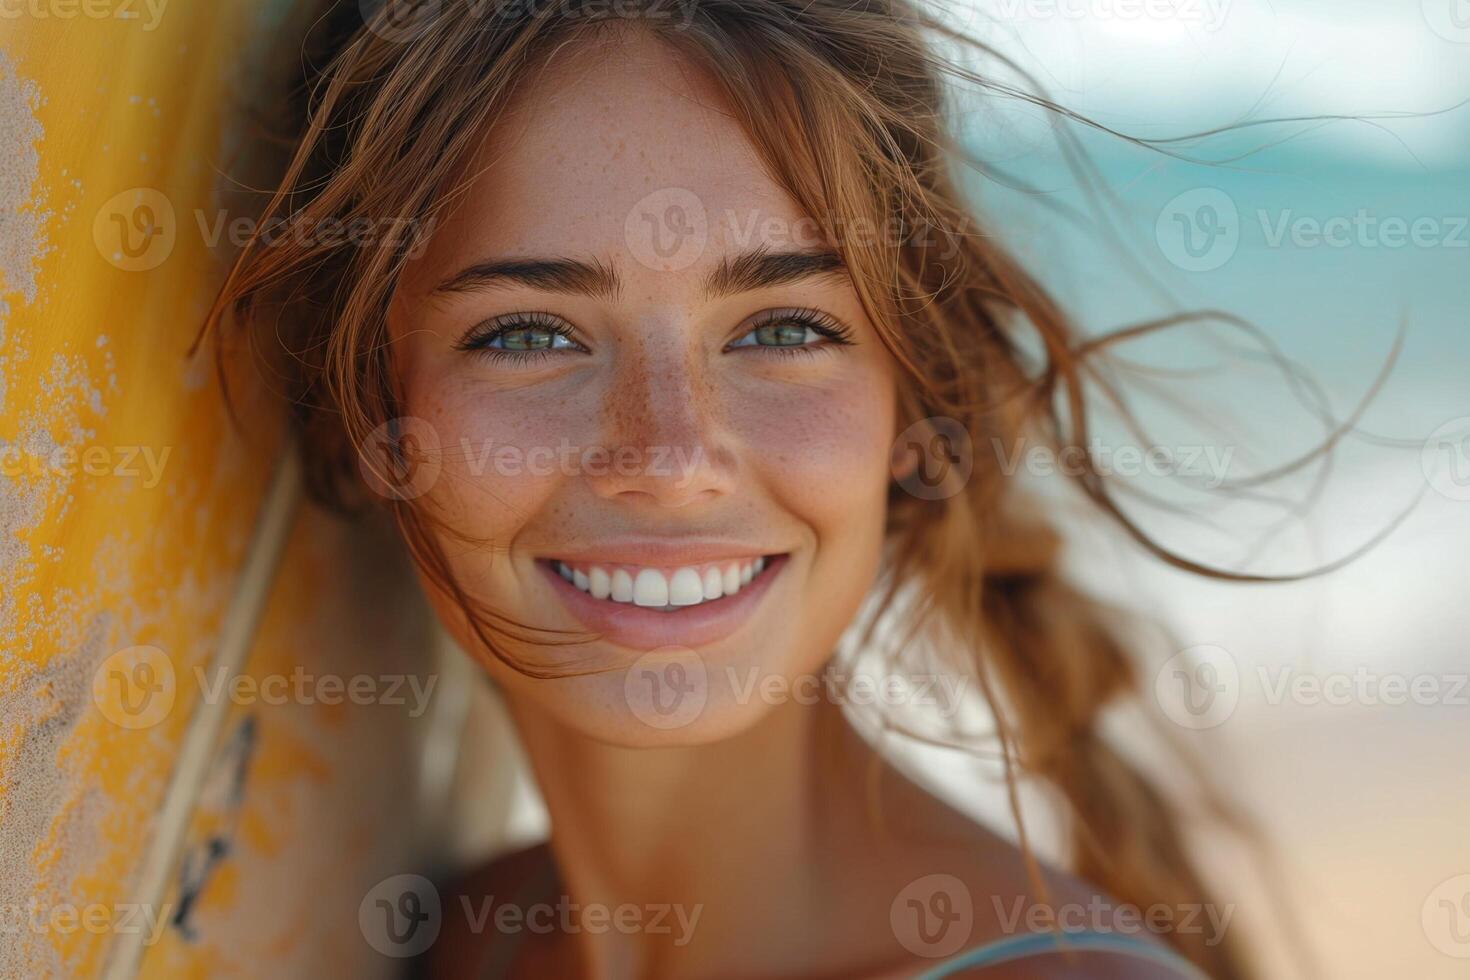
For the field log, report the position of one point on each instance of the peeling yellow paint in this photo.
(97, 552)
(328, 806)
(127, 503)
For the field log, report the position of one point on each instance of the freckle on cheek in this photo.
(834, 437)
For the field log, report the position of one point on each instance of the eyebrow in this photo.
(756, 269)
(762, 267)
(554, 275)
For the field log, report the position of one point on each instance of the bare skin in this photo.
(806, 891)
(764, 818)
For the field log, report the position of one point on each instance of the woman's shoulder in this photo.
(484, 913)
(1008, 931)
(983, 910)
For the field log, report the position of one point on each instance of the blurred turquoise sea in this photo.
(1330, 230)
(1333, 301)
(1327, 203)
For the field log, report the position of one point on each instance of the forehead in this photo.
(619, 148)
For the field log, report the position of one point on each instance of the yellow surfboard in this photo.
(164, 809)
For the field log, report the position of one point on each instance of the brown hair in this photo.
(844, 101)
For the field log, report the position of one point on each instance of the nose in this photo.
(664, 429)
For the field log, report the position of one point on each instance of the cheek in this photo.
(820, 448)
(504, 452)
(824, 449)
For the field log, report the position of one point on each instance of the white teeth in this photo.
(685, 588)
(713, 587)
(622, 586)
(600, 582)
(650, 588)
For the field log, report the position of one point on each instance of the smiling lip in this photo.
(643, 628)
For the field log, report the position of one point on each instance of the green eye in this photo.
(529, 338)
(521, 337)
(779, 335)
(794, 331)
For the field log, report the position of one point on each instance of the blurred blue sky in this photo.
(1326, 233)
(1211, 63)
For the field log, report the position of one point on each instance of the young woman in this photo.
(673, 378)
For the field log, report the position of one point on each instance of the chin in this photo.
(673, 695)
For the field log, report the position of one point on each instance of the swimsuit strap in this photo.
(498, 957)
(1035, 944)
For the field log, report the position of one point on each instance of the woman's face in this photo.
(645, 371)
